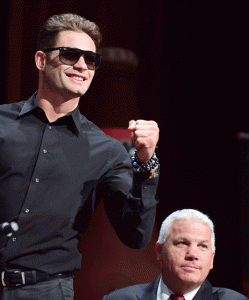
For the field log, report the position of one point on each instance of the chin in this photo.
(74, 94)
(190, 279)
(80, 92)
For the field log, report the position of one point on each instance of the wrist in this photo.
(144, 167)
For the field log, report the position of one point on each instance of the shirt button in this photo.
(37, 180)
(13, 239)
(49, 127)
(27, 210)
(45, 151)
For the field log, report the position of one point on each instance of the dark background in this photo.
(191, 79)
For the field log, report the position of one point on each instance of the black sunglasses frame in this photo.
(79, 52)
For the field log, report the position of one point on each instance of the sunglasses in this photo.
(70, 56)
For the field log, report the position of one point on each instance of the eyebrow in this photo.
(180, 238)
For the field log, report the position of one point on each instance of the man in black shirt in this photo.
(55, 167)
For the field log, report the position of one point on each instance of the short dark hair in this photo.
(57, 23)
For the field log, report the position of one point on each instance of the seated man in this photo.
(185, 250)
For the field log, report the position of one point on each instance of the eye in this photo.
(90, 58)
(68, 54)
(69, 57)
(204, 246)
(181, 243)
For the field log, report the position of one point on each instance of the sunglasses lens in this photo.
(91, 61)
(69, 57)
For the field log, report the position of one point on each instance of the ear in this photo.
(158, 249)
(40, 60)
(212, 261)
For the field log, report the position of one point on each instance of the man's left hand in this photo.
(145, 135)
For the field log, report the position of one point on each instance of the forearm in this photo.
(133, 215)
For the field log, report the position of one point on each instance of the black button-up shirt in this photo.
(52, 177)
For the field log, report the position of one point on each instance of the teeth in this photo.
(78, 78)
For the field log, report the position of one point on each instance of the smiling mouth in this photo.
(78, 78)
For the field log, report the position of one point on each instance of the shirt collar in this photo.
(31, 104)
(76, 118)
(163, 292)
(28, 106)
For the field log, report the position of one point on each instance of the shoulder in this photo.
(10, 112)
(12, 107)
(127, 293)
(228, 294)
(139, 291)
(88, 127)
(95, 135)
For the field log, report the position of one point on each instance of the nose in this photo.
(191, 253)
(81, 64)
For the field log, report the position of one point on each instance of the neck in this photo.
(181, 288)
(55, 107)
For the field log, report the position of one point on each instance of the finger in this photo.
(146, 132)
(145, 122)
(146, 125)
(132, 125)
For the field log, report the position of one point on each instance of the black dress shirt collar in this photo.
(31, 104)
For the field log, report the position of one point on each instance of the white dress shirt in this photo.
(163, 292)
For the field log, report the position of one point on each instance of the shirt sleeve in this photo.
(130, 199)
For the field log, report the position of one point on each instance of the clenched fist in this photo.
(144, 135)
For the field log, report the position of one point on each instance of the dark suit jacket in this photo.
(148, 291)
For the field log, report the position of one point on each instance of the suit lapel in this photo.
(205, 292)
(150, 292)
